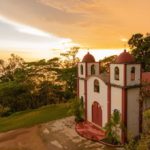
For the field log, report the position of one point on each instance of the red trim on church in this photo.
(140, 116)
(78, 88)
(124, 115)
(86, 70)
(109, 98)
(125, 75)
(109, 102)
(124, 108)
(85, 92)
(77, 80)
(140, 105)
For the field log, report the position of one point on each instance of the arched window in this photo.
(81, 69)
(96, 86)
(133, 73)
(116, 73)
(92, 69)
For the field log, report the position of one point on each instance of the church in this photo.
(103, 93)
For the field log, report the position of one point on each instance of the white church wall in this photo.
(133, 111)
(96, 68)
(137, 74)
(112, 72)
(116, 99)
(100, 97)
(81, 89)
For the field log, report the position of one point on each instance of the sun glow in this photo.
(34, 44)
(99, 53)
(26, 40)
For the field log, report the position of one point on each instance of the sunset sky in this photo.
(36, 29)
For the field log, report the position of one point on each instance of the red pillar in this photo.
(109, 102)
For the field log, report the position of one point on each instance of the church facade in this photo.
(103, 93)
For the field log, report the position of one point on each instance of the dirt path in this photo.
(55, 135)
(22, 139)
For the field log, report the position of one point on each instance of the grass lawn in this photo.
(32, 117)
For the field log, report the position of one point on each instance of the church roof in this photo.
(146, 77)
(88, 58)
(125, 57)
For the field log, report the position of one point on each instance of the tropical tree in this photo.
(7, 69)
(104, 63)
(68, 72)
(140, 48)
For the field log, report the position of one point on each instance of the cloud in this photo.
(92, 23)
(24, 28)
(73, 6)
(19, 36)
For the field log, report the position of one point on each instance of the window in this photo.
(81, 69)
(92, 69)
(133, 73)
(96, 86)
(116, 73)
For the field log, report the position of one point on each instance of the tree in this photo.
(7, 69)
(140, 49)
(16, 95)
(68, 72)
(104, 63)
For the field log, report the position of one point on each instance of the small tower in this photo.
(86, 68)
(125, 82)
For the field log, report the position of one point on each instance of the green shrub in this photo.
(77, 109)
(112, 128)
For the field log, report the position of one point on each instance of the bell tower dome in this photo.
(88, 66)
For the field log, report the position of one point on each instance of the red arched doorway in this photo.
(97, 114)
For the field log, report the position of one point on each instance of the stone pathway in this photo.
(61, 134)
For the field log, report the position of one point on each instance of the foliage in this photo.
(32, 117)
(112, 128)
(26, 85)
(68, 73)
(77, 109)
(144, 91)
(15, 95)
(140, 49)
(131, 145)
(144, 142)
(104, 63)
(7, 70)
(146, 122)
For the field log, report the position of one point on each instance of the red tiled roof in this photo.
(125, 57)
(88, 58)
(146, 76)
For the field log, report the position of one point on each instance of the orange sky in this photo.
(93, 24)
